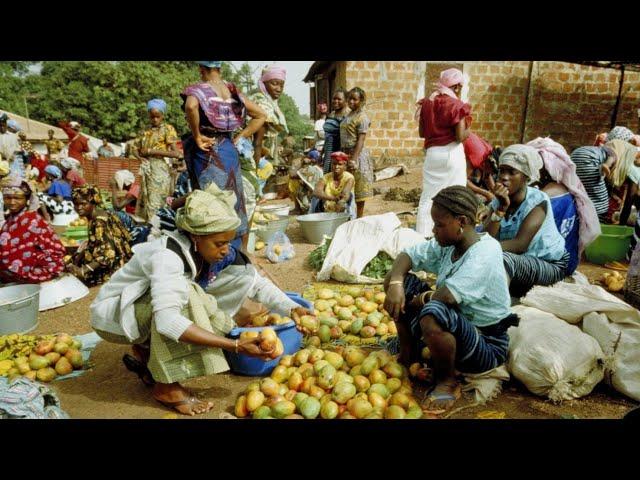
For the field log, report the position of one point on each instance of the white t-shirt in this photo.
(319, 133)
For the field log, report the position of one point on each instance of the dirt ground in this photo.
(108, 390)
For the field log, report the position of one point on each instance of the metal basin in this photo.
(315, 225)
(18, 308)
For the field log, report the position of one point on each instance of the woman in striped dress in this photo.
(593, 164)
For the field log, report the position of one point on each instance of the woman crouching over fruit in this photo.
(157, 302)
(464, 321)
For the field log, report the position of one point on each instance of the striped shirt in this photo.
(588, 161)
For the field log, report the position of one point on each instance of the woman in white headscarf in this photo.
(521, 218)
(159, 302)
(443, 123)
(71, 170)
(125, 192)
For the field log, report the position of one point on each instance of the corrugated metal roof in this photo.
(317, 67)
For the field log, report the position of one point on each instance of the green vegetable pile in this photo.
(377, 268)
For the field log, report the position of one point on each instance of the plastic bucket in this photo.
(290, 337)
(19, 308)
(611, 246)
(316, 225)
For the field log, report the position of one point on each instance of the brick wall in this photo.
(571, 103)
(497, 94)
(391, 95)
(630, 102)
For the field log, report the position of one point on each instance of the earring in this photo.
(461, 231)
(195, 247)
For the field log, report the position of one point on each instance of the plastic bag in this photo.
(280, 248)
(552, 358)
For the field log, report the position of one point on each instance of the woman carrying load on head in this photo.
(444, 125)
(156, 147)
(521, 219)
(464, 321)
(30, 251)
(160, 302)
(215, 111)
(108, 247)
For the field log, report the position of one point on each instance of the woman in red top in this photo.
(69, 167)
(30, 251)
(78, 143)
(443, 124)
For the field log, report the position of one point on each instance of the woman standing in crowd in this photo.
(155, 147)
(319, 126)
(443, 123)
(521, 219)
(107, 249)
(31, 251)
(464, 321)
(271, 86)
(573, 211)
(332, 127)
(353, 133)
(215, 109)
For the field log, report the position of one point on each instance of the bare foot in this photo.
(176, 397)
(443, 396)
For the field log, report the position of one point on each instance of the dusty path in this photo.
(111, 391)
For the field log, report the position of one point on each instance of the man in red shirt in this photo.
(78, 144)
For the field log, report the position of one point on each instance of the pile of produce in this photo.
(349, 314)
(345, 384)
(79, 222)
(41, 358)
(266, 319)
(377, 268)
(269, 341)
(613, 282)
(402, 195)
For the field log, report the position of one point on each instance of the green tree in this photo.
(299, 125)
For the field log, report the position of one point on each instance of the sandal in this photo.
(136, 366)
(440, 397)
(187, 401)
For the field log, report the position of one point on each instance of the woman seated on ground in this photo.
(573, 211)
(125, 192)
(167, 281)
(334, 191)
(107, 248)
(521, 218)
(311, 169)
(30, 251)
(70, 169)
(57, 199)
(464, 322)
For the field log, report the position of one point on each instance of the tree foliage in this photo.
(109, 98)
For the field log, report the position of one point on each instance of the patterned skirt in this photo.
(364, 176)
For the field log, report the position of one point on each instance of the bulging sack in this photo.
(552, 358)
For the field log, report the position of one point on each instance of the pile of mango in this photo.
(39, 358)
(345, 384)
(353, 315)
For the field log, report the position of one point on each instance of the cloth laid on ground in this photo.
(552, 358)
(357, 242)
(89, 342)
(612, 322)
(390, 172)
(26, 399)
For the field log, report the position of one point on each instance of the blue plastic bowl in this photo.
(290, 337)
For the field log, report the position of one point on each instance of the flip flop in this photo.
(440, 397)
(172, 405)
(136, 366)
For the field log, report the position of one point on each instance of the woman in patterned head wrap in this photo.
(30, 251)
(165, 302)
(155, 148)
(521, 218)
(107, 248)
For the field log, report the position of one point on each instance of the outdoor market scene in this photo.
(319, 240)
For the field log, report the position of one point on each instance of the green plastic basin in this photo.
(611, 246)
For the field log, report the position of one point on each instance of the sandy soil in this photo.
(108, 390)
